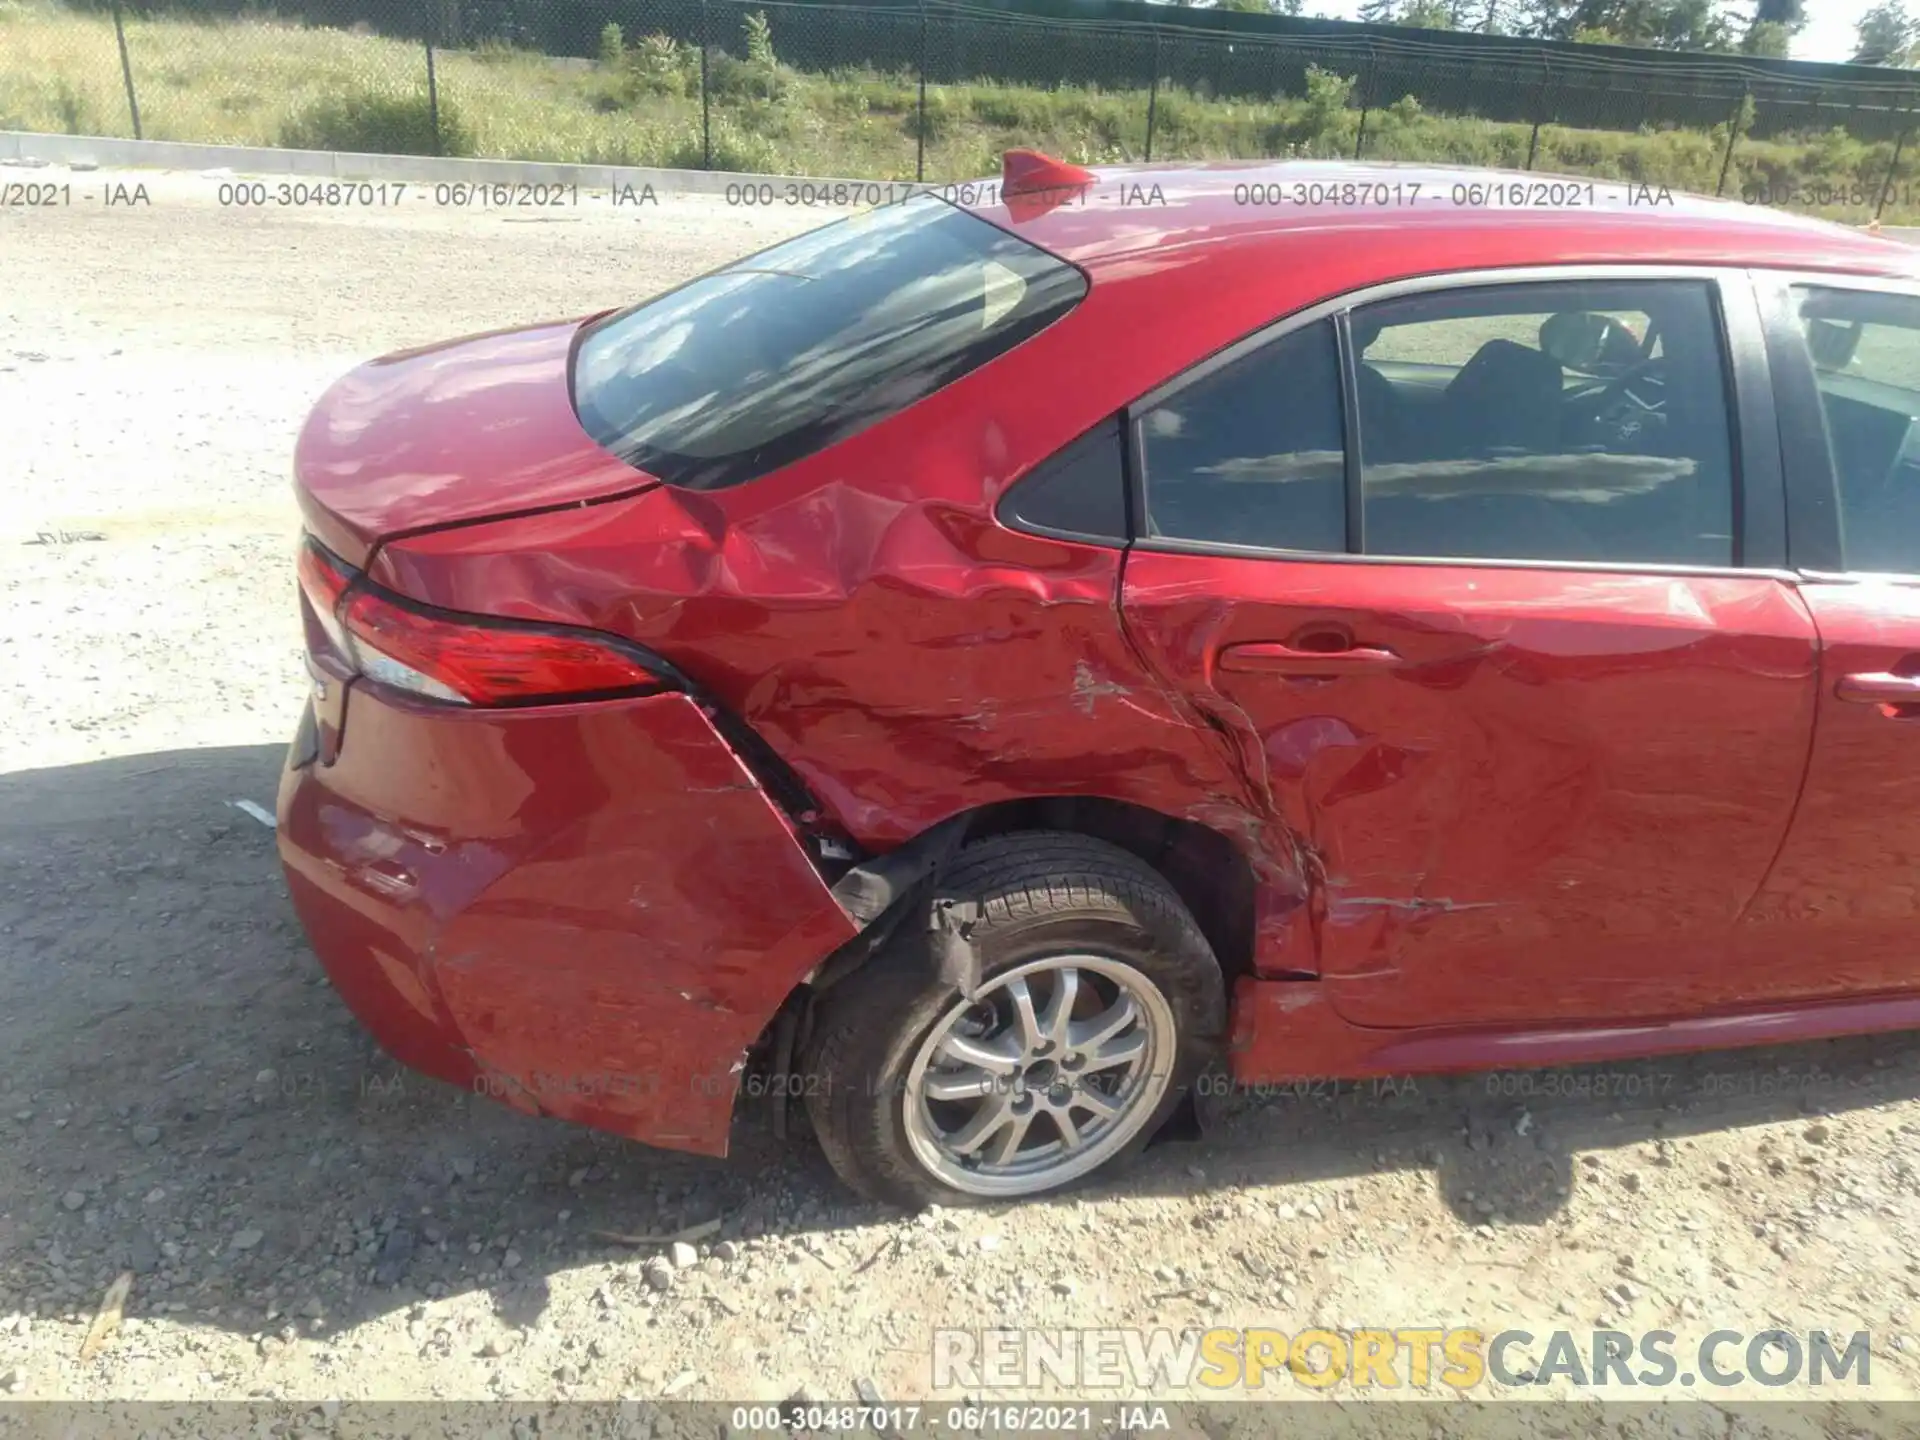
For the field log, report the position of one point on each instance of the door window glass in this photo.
(1582, 421)
(1865, 347)
(1251, 454)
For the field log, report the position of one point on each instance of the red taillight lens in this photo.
(477, 662)
(324, 580)
(464, 659)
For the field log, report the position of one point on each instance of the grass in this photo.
(268, 82)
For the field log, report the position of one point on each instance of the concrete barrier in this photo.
(109, 153)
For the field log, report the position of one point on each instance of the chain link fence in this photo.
(936, 89)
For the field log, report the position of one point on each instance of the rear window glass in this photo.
(785, 352)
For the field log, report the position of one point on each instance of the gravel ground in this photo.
(184, 1098)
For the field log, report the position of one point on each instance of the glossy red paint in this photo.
(1838, 911)
(449, 432)
(583, 906)
(595, 909)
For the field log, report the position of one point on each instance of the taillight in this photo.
(467, 659)
(324, 580)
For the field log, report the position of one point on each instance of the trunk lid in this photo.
(465, 430)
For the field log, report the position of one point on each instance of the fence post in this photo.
(1733, 138)
(706, 103)
(433, 89)
(1539, 110)
(920, 130)
(1366, 103)
(1893, 166)
(126, 69)
(1153, 90)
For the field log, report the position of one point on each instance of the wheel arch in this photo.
(1210, 872)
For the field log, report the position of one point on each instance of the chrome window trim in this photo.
(1225, 551)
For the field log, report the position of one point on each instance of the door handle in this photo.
(1273, 658)
(1879, 688)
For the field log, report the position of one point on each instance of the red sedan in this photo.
(1000, 656)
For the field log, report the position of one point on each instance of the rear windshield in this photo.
(783, 353)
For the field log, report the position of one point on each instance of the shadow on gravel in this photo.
(183, 1096)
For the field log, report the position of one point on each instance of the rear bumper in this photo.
(587, 911)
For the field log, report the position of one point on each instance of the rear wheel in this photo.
(1098, 1002)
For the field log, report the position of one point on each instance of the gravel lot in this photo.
(184, 1098)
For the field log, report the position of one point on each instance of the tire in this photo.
(1050, 902)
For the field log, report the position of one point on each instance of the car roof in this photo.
(1447, 217)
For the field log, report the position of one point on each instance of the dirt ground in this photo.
(183, 1097)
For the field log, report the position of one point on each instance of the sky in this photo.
(1829, 34)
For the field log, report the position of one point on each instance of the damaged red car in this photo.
(986, 663)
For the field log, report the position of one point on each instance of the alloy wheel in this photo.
(1045, 1075)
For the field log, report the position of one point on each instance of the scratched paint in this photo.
(1562, 765)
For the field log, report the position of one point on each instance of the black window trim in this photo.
(1008, 503)
(1814, 541)
(1754, 437)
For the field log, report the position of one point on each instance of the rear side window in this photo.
(1865, 348)
(1080, 492)
(785, 352)
(1252, 453)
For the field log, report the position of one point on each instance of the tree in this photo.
(1661, 24)
(1772, 26)
(1546, 19)
(1380, 12)
(1427, 15)
(1886, 35)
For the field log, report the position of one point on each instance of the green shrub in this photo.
(875, 94)
(760, 76)
(661, 65)
(76, 111)
(733, 149)
(1324, 119)
(376, 123)
(731, 78)
(495, 51)
(942, 116)
(1012, 109)
(759, 40)
(613, 46)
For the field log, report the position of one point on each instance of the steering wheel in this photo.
(1623, 409)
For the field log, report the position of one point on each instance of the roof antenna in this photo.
(1027, 172)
